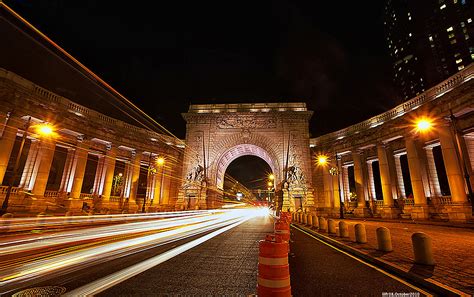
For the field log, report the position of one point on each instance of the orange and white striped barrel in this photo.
(273, 268)
(285, 216)
(283, 229)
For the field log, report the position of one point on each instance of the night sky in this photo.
(164, 56)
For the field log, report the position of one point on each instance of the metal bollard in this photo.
(422, 248)
(331, 226)
(310, 220)
(305, 219)
(343, 229)
(360, 234)
(323, 225)
(384, 240)
(315, 222)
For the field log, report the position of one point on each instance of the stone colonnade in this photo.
(422, 174)
(30, 194)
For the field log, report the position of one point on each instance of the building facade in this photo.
(92, 162)
(388, 167)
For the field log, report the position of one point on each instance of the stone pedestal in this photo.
(390, 212)
(459, 212)
(361, 212)
(418, 212)
(73, 205)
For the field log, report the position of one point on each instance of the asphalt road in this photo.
(319, 270)
(223, 265)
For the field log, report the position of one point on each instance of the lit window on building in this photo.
(409, 34)
(461, 67)
(451, 35)
(455, 1)
(442, 6)
(472, 56)
(463, 24)
(453, 41)
(466, 37)
(469, 20)
(458, 61)
(450, 29)
(430, 38)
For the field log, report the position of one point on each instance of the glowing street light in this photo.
(423, 124)
(160, 161)
(45, 129)
(322, 160)
(270, 184)
(271, 177)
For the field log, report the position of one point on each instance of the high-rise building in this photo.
(428, 40)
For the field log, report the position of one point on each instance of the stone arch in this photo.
(237, 146)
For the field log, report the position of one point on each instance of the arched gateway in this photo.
(217, 134)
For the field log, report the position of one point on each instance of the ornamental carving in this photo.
(245, 122)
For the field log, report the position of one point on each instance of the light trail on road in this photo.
(67, 252)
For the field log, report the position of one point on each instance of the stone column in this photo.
(389, 210)
(420, 209)
(68, 171)
(7, 140)
(135, 174)
(159, 178)
(345, 182)
(371, 181)
(400, 182)
(432, 173)
(77, 175)
(468, 142)
(99, 175)
(26, 181)
(109, 168)
(361, 210)
(451, 163)
(328, 191)
(43, 162)
(165, 188)
(460, 209)
(335, 194)
(385, 177)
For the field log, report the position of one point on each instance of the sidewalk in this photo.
(453, 249)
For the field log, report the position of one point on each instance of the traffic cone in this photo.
(282, 228)
(273, 268)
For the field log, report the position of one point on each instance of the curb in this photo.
(415, 222)
(435, 286)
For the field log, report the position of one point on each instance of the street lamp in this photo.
(45, 130)
(322, 160)
(424, 124)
